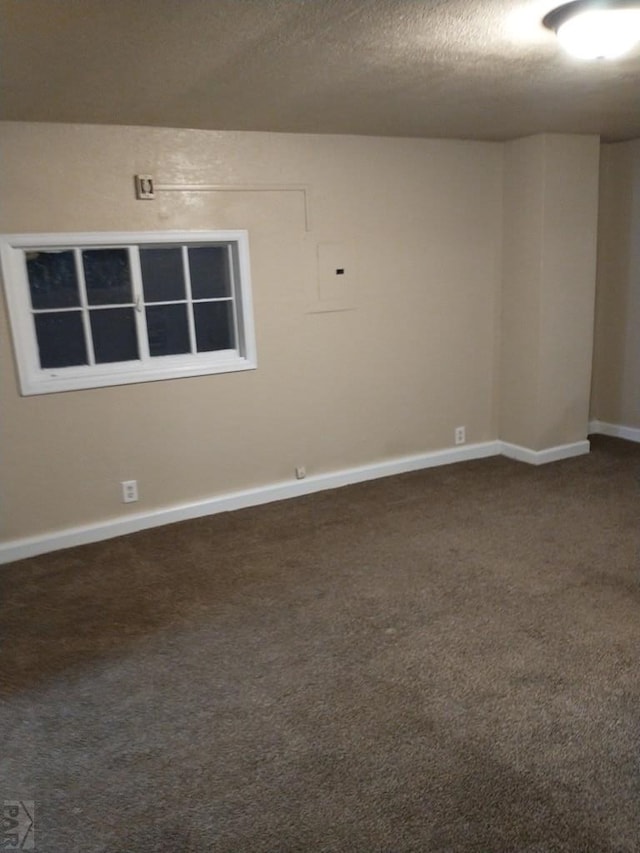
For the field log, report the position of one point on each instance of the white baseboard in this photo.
(549, 454)
(616, 430)
(18, 549)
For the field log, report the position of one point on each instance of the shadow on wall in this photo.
(617, 307)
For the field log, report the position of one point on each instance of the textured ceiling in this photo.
(436, 68)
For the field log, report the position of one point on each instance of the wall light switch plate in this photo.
(144, 187)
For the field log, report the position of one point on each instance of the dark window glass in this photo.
(162, 274)
(114, 335)
(60, 339)
(168, 329)
(107, 276)
(52, 279)
(210, 275)
(214, 325)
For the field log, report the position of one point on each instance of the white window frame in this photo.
(37, 380)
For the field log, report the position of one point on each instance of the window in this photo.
(89, 310)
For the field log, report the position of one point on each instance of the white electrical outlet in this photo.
(459, 435)
(301, 472)
(129, 491)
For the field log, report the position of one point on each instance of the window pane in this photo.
(168, 329)
(114, 335)
(52, 279)
(210, 275)
(162, 274)
(60, 339)
(214, 325)
(107, 276)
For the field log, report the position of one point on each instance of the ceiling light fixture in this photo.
(596, 29)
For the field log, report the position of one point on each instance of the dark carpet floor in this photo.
(442, 661)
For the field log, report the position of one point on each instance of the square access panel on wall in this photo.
(335, 278)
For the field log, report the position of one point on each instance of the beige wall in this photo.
(520, 326)
(549, 260)
(421, 223)
(616, 364)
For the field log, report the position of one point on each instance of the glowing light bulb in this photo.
(600, 33)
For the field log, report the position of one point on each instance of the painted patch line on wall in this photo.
(244, 188)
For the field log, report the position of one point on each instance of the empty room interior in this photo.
(320, 426)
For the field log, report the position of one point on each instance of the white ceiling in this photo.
(481, 69)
